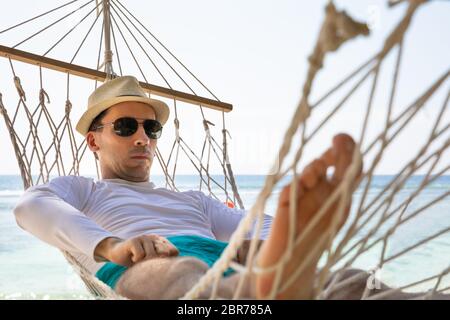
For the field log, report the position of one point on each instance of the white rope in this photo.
(301, 115)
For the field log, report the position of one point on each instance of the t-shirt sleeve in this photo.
(52, 212)
(225, 220)
(72, 189)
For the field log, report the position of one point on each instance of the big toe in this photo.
(343, 149)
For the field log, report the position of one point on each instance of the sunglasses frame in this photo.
(153, 135)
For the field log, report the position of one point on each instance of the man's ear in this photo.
(92, 143)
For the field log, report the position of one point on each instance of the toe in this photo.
(313, 173)
(320, 168)
(343, 148)
(328, 158)
(309, 177)
(283, 200)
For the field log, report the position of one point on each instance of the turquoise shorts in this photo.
(205, 249)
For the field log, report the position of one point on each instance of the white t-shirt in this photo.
(75, 213)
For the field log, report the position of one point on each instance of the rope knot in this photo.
(177, 129)
(42, 96)
(2, 107)
(108, 56)
(225, 132)
(176, 122)
(337, 28)
(107, 63)
(206, 124)
(19, 88)
(68, 107)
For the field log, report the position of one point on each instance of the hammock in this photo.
(375, 218)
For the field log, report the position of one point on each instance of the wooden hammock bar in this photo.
(88, 73)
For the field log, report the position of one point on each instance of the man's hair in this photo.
(98, 120)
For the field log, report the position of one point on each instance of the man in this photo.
(153, 243)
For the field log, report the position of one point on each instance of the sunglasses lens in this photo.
(125, 127)
(153, 129)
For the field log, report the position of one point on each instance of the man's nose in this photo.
(140, 137)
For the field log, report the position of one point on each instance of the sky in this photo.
(252, 54)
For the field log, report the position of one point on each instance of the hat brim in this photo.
(161, 110)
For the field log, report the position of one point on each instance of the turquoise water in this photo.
(32, 269)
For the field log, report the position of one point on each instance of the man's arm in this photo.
(225, 220)
(44, 214)
(50, 212)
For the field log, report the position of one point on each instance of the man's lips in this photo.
(141, 156)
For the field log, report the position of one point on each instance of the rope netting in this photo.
(46, 145)
(376, 216)
(211, 149)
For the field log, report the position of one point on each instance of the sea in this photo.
(32, 269)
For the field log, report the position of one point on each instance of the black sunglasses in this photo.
(125, 127)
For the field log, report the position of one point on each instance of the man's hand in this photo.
(131, 251)
(244, 249)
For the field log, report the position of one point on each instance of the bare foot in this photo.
(313, 189)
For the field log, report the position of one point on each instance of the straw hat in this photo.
(118, 90)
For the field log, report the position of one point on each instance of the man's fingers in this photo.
(164, 247)
(149, 248)
(137, 251)
(173, 251)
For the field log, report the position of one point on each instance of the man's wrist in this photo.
(101, 252)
